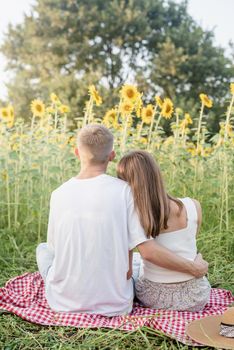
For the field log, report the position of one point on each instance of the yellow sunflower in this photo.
(138, 105)
(188, 118)
(10, 122)
(11, 111)
(183, 124)
(50, 110)
(4, 113)
(143, 141)
(110, 117)
(72, 141)
(232, 88)
(229, 129)
(126, 108)
(167, 108)
(129, 93)
(8, 116)
(147, 113)
(54, 98)
(159, 101)
(205, 100)
(64, 109)
(118, 127)
(95, 95)
(38, 108)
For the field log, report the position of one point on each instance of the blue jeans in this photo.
(44, 258)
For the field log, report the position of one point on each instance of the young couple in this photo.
(95, 222)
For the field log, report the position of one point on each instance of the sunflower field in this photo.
(37, 157)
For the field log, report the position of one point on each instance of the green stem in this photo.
(199, 125)
(87, 112)
(65, 125)
(140, 130)
(157, 123)
(150, 133)
(56, 118)
(32, 124)
(8, 195)
(151, 127)
(228, 118)
(123, 144)
(183, 136)
(177, 129)
(221, 195)
(90, 114)
(226, 199)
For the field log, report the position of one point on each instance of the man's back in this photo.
(92, 225)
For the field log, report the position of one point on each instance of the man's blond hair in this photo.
(96, 142)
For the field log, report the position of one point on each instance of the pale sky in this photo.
(210, 14)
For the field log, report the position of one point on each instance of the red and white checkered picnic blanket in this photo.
(24, 296)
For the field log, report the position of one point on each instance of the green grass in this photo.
(18, 334)
(17, 255)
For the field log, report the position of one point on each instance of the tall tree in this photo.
(65, 45)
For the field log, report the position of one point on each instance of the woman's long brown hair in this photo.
(151, 200)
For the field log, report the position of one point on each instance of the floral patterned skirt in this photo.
(191, 295)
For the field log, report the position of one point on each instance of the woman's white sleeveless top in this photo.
(181, 242)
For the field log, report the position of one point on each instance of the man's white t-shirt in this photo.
(92, 226)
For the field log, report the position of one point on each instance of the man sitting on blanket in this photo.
(92, 226)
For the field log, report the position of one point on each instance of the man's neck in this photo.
(88, 171)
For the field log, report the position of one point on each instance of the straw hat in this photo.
(207, 330)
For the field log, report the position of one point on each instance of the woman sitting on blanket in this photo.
(173, 223)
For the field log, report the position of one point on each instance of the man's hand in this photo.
(161, 256)
(200, 266)
(129, 274)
